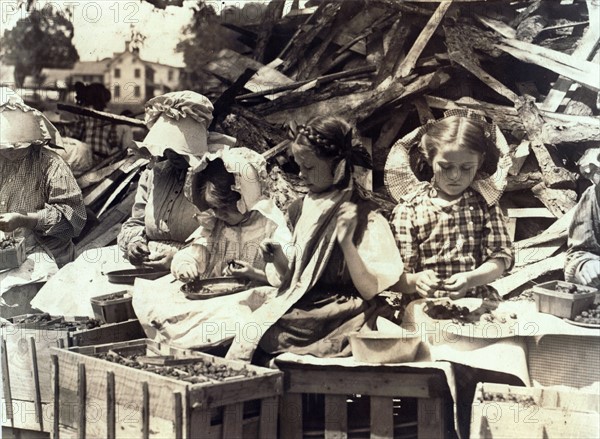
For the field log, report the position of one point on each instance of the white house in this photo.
(131, 80)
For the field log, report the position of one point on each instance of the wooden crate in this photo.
(98, 398)
(503, 411)
(27, 397)
(383, 384)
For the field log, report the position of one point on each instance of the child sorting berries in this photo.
(450, 231)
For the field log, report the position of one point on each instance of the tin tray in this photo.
(213, 287)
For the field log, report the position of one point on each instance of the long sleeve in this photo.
(406, 236)
(133, 229)
(584, 234)
(63, 215)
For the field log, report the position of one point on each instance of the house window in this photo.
(137, 91)
(170, 75)
(117, 73)
(137, 73)
(117, 92)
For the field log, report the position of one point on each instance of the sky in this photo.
(103, 26)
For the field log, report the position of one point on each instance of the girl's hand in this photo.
(458, 284)
(271, 250)
(185, 272)
(589, 274)
(239, 269)
(346, 222)
(427, 283)
(137, 252)
(160, 261)
(9, 222)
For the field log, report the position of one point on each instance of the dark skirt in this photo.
(319, 323)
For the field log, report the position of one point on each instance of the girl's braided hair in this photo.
(331, 138)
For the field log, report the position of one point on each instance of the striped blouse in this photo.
(160, 212)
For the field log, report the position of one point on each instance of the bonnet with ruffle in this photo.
(248, 167)
(179, 121)
(399, 176)
(22, 125)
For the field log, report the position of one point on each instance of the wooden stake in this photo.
(406, 67)
(37, 396)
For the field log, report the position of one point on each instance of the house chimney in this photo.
(127, 45)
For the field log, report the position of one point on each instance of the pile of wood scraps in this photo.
(388, 67)
(107, 188)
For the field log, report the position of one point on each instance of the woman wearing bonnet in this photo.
(39, 200)
(161, 218)
(228, 186)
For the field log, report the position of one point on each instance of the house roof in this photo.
(90, 67)
(154, 64)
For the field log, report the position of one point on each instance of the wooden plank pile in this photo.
(389, 66)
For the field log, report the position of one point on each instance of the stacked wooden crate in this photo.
(26, 372)
(501, 411)
(99, 398)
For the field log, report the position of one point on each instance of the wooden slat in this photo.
(388, 134)
(530, 212)
(37, 395)
(56, 386)
(102, 115)
(558, 92)
(110, 405)
(200, 423)
(521, 153)
(358, 106)
(558, 201)
(272, 14)
(499, 26)
(584, 72)
(178, 415)
(319, 80)
(108, 229)
(336, 417)
(396, 38)
(6, 383)
(382, 417)
(257, 387)
(81, 394)
(382, 383)
(431, 416)
(511, 282)
(408, 64)
(233, 416)
(552, 173)
(267, 428)
(145, 411)
(290, 418)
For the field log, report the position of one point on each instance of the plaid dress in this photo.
(42, 182)
(100, 135)
(450, 239)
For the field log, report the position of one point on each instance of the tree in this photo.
(42, 40)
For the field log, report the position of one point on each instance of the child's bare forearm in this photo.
(281, 265)
(487, 272)
(407, 283)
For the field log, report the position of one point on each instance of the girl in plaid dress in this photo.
(450, 231)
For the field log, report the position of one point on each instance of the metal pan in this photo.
(213, 287)
(128, 276)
